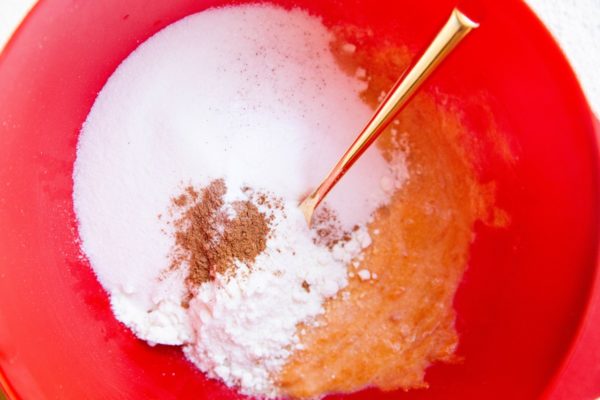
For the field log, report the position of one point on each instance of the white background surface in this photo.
(574, 23)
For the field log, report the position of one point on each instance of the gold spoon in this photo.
(446, 40)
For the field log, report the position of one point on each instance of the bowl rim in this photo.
(587, 318)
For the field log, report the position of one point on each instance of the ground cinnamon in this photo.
(209, 239)
(328, 228)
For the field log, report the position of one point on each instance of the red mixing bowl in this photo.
(528, 302)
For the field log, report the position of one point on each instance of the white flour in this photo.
(245, 328)
(253, 95)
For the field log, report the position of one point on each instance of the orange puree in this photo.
(385, 332)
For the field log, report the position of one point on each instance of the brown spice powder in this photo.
(208, 239)
(328, 228)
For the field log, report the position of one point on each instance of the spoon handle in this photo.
(457, 27)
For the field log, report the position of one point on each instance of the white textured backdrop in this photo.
(575, 24)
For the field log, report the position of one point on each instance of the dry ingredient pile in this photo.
(189, 170)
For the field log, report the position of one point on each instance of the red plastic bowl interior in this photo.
(522, 300)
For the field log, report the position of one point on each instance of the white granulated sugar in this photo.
(349, 48)
(252, 95)
(364, 274)
(361, 73)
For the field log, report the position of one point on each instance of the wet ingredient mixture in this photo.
(387, 332)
